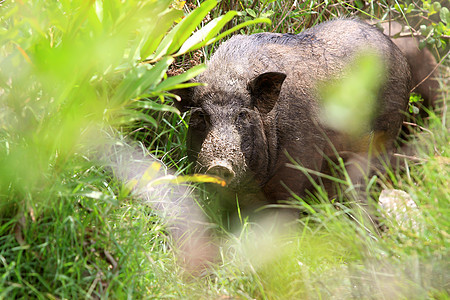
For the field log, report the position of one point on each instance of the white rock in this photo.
(398, 206)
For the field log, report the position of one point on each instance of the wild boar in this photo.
(261, 100)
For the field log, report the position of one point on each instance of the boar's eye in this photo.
(242, 117)
(199, 120)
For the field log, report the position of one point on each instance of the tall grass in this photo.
(72, 72)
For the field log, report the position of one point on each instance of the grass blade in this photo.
(237, 27)
(138, 81)
(180, 33)
(170, 82)
(202, 36)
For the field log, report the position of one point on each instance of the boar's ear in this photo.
(186, 102)
(265, 89)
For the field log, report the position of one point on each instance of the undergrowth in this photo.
(72, 227)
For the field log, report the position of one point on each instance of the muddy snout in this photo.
(222, 170)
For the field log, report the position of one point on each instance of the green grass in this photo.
(87, 243)
(71, 228)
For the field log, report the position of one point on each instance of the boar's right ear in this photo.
(265, 89)
(186, 102)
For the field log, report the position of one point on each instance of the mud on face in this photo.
(227, 139)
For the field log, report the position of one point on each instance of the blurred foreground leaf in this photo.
(348, 103)
(71, 69)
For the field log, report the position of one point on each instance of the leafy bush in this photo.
(69, 72)
(433, 23)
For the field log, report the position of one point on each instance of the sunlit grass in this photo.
(70, 227)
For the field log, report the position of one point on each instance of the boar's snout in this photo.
(222, 170)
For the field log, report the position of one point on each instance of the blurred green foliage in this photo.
(67, 68)
(353, 115)
(71, 68)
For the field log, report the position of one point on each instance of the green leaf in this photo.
(202, 36)
(251, 12)
(410, 8)
(149, 104)
(267, 14)
(180, 33)
(190, 23)
(414, 109)
(237, 27)
(422, 44)
(163, 23)
(399, 7)
(136, 116)
(168, 93)
(444, 14)
(182, 86)
(359, 4)
(140, 80)
(170, 82)
(99, 9)
(436, 6)
(186, 85)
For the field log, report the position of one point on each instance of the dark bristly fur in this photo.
(261, 100)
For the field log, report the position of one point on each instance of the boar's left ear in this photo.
(265, 89)
(186, 102)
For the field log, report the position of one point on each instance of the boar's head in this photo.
(228, 128)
